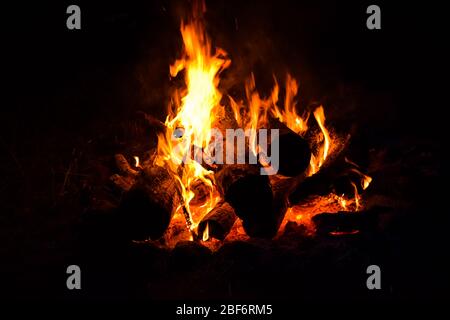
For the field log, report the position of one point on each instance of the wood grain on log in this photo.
(220, 220)
(148, 206)
(123, 166)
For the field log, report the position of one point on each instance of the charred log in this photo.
(322, 182)
(123, 166)
(220, 220)
(122, 183)
(147, 208)
(347, 222)
(294, 150)
(245, 189)
(319, 184)
(127, 177)
(251, 196)
(348, 182)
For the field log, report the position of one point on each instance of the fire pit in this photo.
(228, 168)
(241, 151)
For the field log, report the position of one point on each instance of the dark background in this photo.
(63, 88)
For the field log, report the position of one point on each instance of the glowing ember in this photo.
(342, 233)
(303, 213)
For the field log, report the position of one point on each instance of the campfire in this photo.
(232, 168)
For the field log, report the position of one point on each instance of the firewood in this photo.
(219, 221)
(347, 182)
(294, 150)
(347, 222)
(188, 256)
(251, 196)
(244, 188)
(322, 182)
(147, 208)
(201, 193)
(123, 165)
(121, 183)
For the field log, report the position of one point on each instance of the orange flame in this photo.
(256, 116)
(356, 197)
(319, 159)
(289, 115)
(197, 108)
(342, 202)
(194, 110)
(365, 179)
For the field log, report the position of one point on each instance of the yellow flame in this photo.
(236, 107)
(342, 202)
(205, 235)
(196, 109)
(257, 109)
(366, 181)
(136, 164)
(357, 196)
(347, 204)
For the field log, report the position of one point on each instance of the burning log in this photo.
(219, 220)
(201, 194)
(148, 206)
(127, 177)
(337, 178)
(251, 196)
(322, 182)
(294, 150)
(347, 222)
(351, 181)
(123, 166)
(245, 189)
(122, 183)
